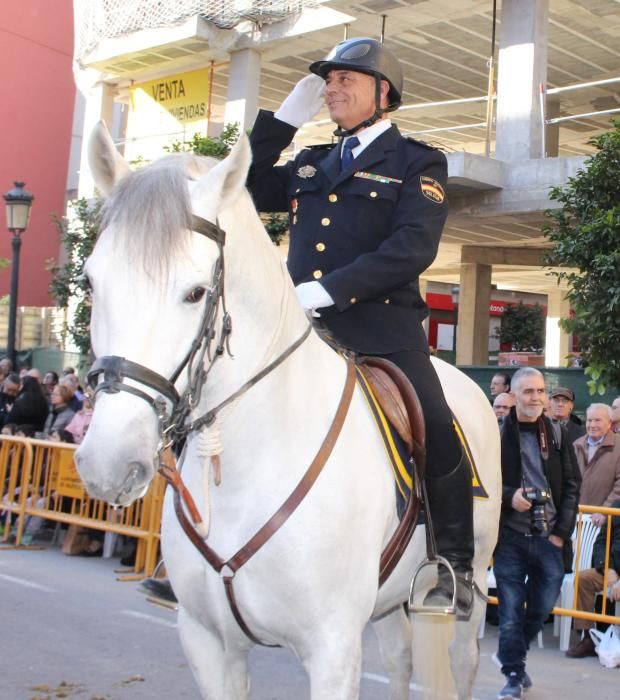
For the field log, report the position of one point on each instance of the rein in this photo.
(228, 568)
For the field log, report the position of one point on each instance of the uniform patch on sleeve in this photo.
(431, 189)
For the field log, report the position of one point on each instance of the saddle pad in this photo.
(398, 452)
(395, 446)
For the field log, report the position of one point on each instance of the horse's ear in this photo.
(106, 163)
(231, 174)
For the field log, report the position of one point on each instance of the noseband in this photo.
(108, 373)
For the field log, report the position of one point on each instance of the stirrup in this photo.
(443, 610)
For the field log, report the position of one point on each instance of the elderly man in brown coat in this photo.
(598, 455)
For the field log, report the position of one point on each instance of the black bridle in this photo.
(173, 422)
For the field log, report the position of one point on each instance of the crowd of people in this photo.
(43, 406)
(551, 463)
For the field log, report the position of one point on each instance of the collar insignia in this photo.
(306, 171)
(377, 178)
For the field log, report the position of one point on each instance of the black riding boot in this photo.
(451, 506)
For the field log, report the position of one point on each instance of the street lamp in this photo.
(18, 207)
(455, 305)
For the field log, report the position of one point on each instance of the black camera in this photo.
(538, 517)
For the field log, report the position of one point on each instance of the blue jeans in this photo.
(517, 558)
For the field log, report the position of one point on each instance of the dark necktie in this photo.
(347, 152)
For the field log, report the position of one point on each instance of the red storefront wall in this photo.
(36, 113)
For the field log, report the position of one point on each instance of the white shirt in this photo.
(367, 136)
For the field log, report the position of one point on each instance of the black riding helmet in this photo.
(365, 55)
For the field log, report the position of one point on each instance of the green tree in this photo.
(523, 327)
(78, 233)
(585, 232)
(217, 147)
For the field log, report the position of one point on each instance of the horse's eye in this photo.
(195, 295)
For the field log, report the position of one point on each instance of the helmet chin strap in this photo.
(378, 113)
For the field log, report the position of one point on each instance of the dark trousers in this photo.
(443, 451)
(528, 570)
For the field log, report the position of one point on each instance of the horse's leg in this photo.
(334, 663)
(465, 651)
(220, 674)
(394, 633)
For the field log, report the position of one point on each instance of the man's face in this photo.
(350, 97)
(11, 389)
(561, 407)
(502, 404)
(615, 411)
(530, 397)
(497, 385)
(597, 423)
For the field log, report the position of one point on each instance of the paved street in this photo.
(69, 629)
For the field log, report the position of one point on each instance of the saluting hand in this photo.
(304, 102)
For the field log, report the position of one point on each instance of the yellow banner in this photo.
(165, 110)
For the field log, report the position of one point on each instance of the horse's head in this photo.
(152, 278)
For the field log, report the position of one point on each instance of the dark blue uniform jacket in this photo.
(365, 233)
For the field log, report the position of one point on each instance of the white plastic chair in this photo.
(589, 532)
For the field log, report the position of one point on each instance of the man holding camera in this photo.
(540, 495)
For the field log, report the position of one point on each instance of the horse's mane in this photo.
(150, 209)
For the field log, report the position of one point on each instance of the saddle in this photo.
(401, 406)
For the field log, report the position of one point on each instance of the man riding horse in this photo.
(366, 217)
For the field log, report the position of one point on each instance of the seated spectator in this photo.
(10, 389)
(80, 421)
(34, 372)
(30, 405)
(60, 416)
(615, 415)
(77, 400)
(49, 382)
(591, 582)
(500, 384)
(61, 436)
(562, 401)
(502, 405)
(8, 429)
(25, 430)
(598, 456)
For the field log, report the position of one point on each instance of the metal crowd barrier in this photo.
(603, 616)
(39, 479)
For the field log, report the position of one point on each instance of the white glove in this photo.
(304, 102)
(312, 296)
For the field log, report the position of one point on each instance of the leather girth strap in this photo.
(276, 521)
(391, 385)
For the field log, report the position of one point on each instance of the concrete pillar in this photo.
(522, 67)
(472, 340)
(243, 87)
(99, 105)
(556, 340)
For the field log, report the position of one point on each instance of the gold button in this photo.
(317, 274)
(325, 222)
(333, 197)
(373, 194)
(320, 247)
(387, 301)
(353, 300)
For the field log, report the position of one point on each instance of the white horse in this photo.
(314, 585)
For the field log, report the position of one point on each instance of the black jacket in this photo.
(598, 552)
(366, 233)
(564, 480)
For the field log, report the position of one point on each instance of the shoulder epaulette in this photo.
(422, 143)
(321, 146)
